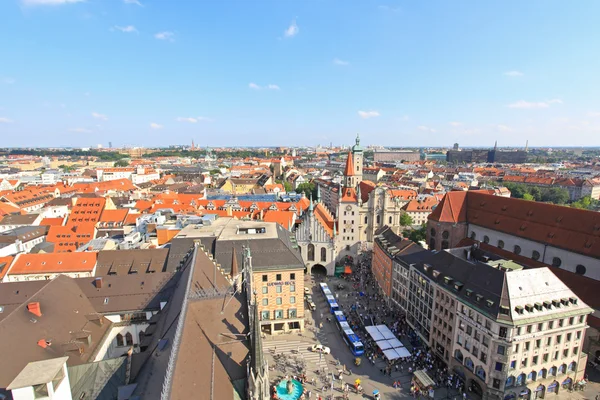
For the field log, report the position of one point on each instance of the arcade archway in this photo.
(318, 269)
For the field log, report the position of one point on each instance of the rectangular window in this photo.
(526, 346)
(488, 324)
(517, 348)
(558, 339)
(501, 349)
(575, 350)
(278, 277)
(483, 357)
(513, 364)
(292, 299)
(534, 360)
(565, 353)
(292, 313)
(279, 301)
(459, 340)
(486, 341)
(578, 335)
(518, 331)
(540, 327)
(569, 337)
(548, 341)
(265, 278)
(545, 357)
(265, 290)
(538, 343)
(529, 328)
(292, 277)
(503, 332)
(265, 302)
(523, 363)
(571, 320)
(278, 289)
(469, 330)
(551, 325)
(556, 355)
(278, 314)
(499, 366)
(292, 288)
(581, 319)
(264, 315)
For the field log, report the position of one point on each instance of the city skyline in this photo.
(236, 73)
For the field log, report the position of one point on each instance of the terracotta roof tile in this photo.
(53, 263)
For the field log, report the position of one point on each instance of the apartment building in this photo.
(276, 263)
(507, 332)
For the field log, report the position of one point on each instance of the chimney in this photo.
(35, 309)
(98, 283)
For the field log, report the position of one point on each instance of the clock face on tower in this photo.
(348, 208)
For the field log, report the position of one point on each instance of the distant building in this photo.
(396, 156)
(456, 156)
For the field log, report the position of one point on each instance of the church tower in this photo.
(357, 158)
(349, 175)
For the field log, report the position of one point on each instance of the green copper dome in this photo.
(356, 148)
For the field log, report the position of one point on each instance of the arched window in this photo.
(500, 244)
(473, 235)
(480, 372)
(520, 379)
(432, 231)
(128, 339)
(562, 369)
(556, 262)
(510, 381)
(366, 220)
(517, 249)
(458, 355)
(378, 219)
(431, 244)
(390, 220)
(542, 374)
(141, 336)
(535, 255)
(572, 366)
(311, 252)
(445, 235)
(580, 269)
(531, 376)
(119, 340)
(469, 363)
(486, 239)
(444, 244)
(553, 371)
(323, 254)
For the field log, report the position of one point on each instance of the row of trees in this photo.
(553, 195)
(102, 155)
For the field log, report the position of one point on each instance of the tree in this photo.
(288, 187)
(405, 219)
(308, 188)
(555, 195)
(416, 235)
(585, 203)
(215, 171)
(529, 197)
(121, 163)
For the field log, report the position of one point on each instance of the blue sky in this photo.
(283, 72)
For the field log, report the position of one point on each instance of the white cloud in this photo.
(529, 105)
(80, 130)
(513, 74)
(4, 120)
(99, 116)
(154, 125)
(166, 35)
(125, 29)
(136, 2)
(191, 120)
(594, 114)
(292, 30)
(272, 87)
(254, 86)
(49, 2)
(504, 128)
(455, 123)
(337, 61)
(368, 114)
(425, 128)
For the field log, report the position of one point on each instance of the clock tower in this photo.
(357, 158)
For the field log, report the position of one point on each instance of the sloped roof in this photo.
(43, 263)
(452, 208)
(349, 170)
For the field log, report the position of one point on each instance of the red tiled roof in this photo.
(52, 222)
(53, 263)
(349, 195)
(86, 210)
(115, 216)
(349, 170)
(452, 208)
(70, 238)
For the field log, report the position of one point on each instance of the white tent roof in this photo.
(390, 354)
(374, 332)
(385, 331)
(395, 343)
(402, 352)
(384, 345)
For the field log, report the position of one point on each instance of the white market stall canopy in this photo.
(388, 343)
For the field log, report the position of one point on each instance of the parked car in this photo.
(308, 298)
(319, 348)
(312, 306)
(307, 290)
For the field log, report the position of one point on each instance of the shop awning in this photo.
(347, 269)
(423, 378)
